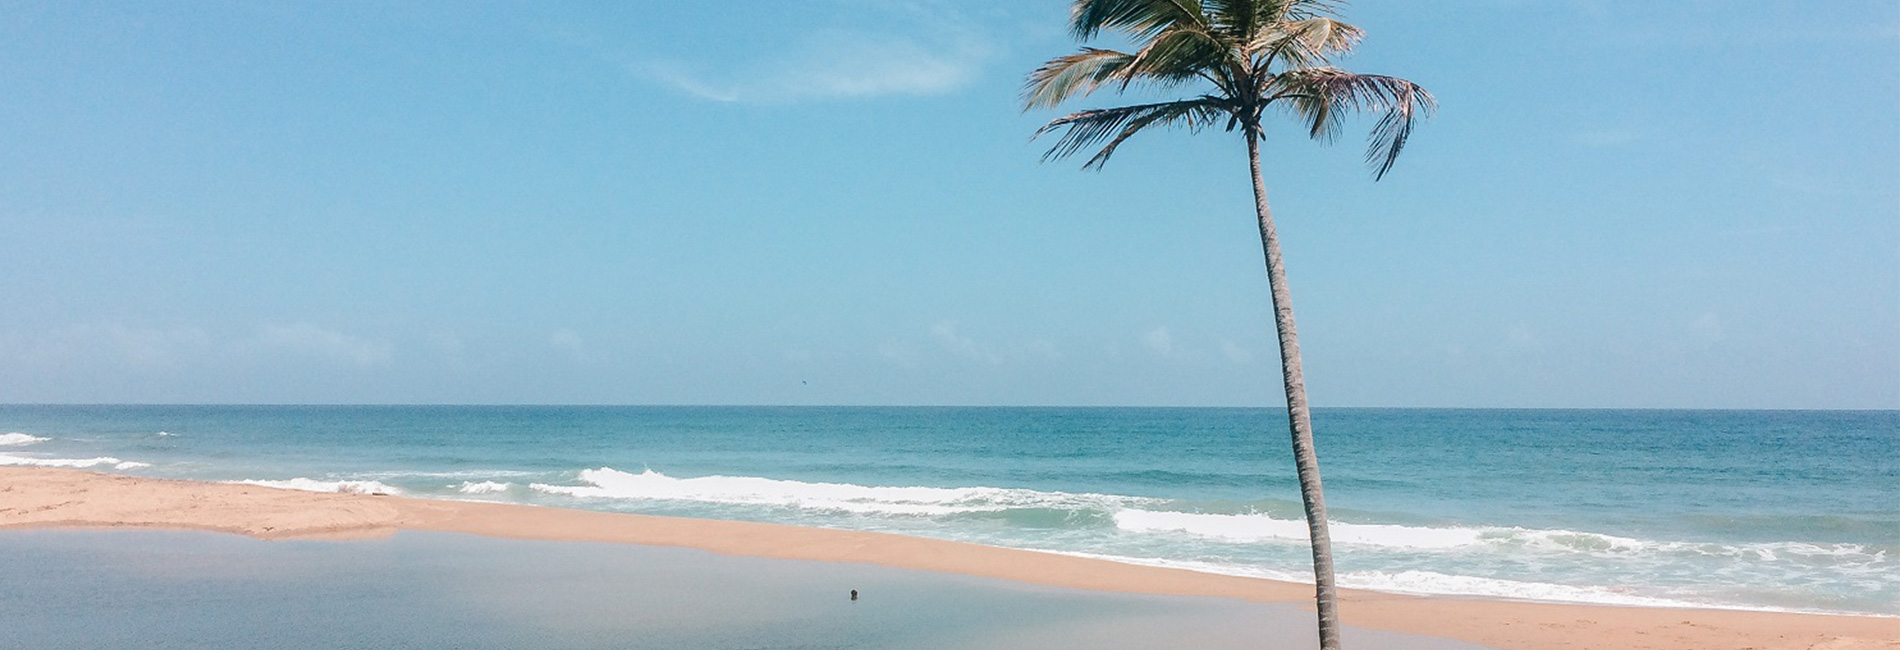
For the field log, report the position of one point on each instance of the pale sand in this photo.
(35, 497)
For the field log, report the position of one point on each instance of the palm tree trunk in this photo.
(1299, 418)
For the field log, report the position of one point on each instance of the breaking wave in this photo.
(484, 487)
(314, 485)
(1263, 528)
(609, 483)
(74, 463)
(1428, 583)
(1148, 516)
(17, 439)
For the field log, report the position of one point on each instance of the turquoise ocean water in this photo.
(1780, 510)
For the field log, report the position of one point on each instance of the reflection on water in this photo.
(170, 589)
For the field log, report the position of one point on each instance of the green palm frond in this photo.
(1139, 18)
(1245, 19)
(1235, 18)
(1304, 9)
(1075, 75)
(1183, 54)
(1305, 43)
(1113, 126)
(1253, 52)
(1321, 96)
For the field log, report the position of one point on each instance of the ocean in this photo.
(1764, 510)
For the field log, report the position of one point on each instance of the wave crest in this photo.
(1258, 528)
(484, 487)
(72, 463)
(17, 439)
(609, 483)
(314, 485)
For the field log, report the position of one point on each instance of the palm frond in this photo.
(1138, 18)
(1321, 96)
(1307, 43)
(1182, 54)
(1255, 53)
(1304, 9)
(1073, 76)
(1110, 127)
(1246, 19)
(1235, 18)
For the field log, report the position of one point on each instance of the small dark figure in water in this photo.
(854, 594)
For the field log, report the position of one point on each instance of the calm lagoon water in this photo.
(140, 590)
(1745, 509)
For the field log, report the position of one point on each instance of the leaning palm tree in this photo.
(1247, 56)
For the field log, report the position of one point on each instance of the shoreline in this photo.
(45, 497)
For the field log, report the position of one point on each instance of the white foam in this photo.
(1439, 584)
(76, 463)
(1259, 528)
(461, 474)
(313, 485)
(609, 483)
(1427, 583)
(484, 487)
(17, 439)
(1245, 571)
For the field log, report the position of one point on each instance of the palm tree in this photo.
(1248, 56)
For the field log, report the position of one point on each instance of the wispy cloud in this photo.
(833, 64)
(946, 335)
(863, 50)
(949, 337)
(307, 340)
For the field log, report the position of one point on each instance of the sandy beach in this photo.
(54, 498)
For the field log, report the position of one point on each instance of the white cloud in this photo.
(832, 64)
(946, 334)
(307, 340)
(949, 337)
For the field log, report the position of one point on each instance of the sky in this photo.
(1619, 204)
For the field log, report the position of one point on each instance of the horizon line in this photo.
(937, 406)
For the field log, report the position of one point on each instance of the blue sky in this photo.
(1620, 204)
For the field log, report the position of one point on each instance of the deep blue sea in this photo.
(1781, 510)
